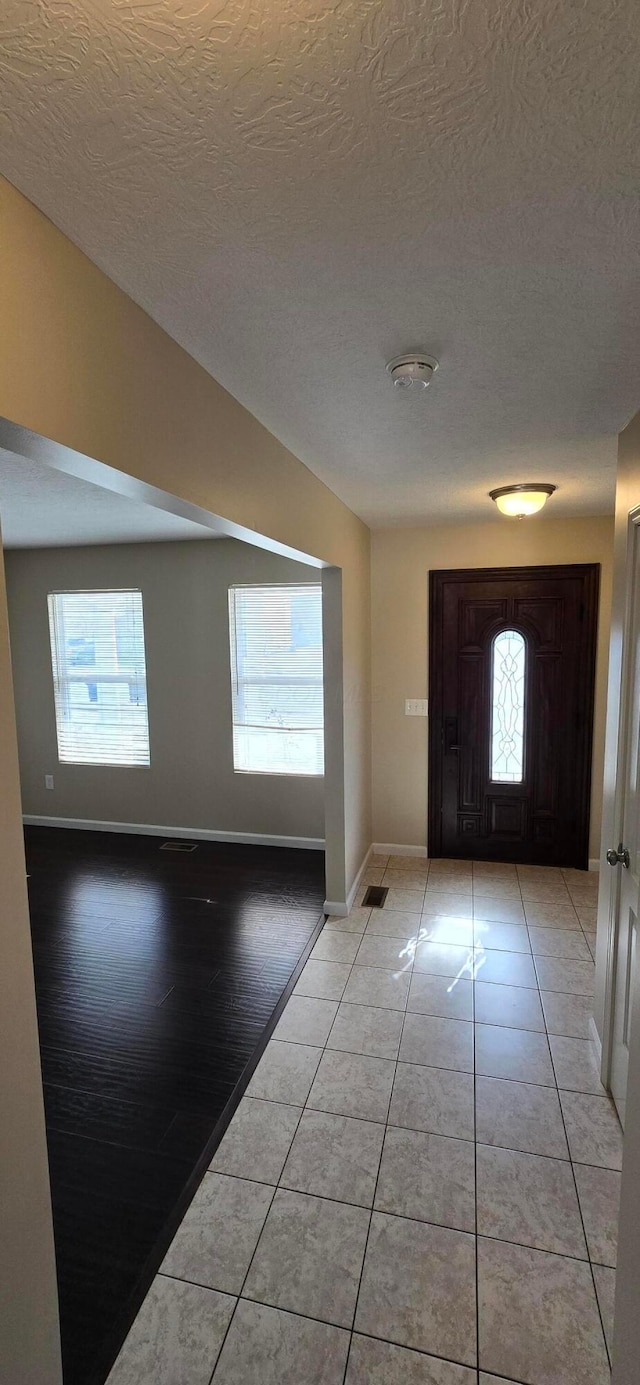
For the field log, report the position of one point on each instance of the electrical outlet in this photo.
(416, 707)
(48, 781)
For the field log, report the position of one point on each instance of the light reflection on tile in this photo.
(501, 937)
(391, 1114)
(448, 904)
(506, 969)
(438, 928)
(500, 910)
(449, 882)
(496, 887)
(443, 959)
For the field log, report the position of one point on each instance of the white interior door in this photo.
(624, 856)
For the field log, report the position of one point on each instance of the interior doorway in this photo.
(512, 674)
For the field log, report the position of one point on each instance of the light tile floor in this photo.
(420, 1186)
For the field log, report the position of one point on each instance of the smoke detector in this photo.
(412, 372)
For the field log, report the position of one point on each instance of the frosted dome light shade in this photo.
(519, 501)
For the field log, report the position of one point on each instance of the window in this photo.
(507, 707)
(99, 677)
(276, 679)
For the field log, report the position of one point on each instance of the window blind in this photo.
(276, 679)
(99, 677)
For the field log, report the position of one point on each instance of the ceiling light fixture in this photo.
(412, 372)
(523, 500)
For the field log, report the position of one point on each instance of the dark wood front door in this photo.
(512, 667)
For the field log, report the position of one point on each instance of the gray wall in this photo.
(191, 782)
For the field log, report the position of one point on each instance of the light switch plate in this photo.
(48, 781)
(416, 707)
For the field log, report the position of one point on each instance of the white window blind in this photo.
(276, 677)
(99, 677)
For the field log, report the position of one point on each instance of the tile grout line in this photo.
(584, 1231)
(572, 1162)
(324, 1048)
(401, 1216)
(275, 1189)
(375, 1189)
(305, 1107)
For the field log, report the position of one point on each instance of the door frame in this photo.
(437, 579)
(609, 901)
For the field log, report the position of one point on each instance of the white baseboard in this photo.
(396, 849)
(341, 908)
(198, 834)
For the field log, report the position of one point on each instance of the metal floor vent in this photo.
(178, 846)
(375, 897)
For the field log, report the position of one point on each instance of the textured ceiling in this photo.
(43, 508)
(297, 190)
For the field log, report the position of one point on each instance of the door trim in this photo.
(590, 573)
(622, 750)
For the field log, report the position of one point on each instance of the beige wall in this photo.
(401, 560)
(191, 780)
(82, 365)
(29, 1346)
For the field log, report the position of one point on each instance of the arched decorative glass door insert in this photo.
(508, 674)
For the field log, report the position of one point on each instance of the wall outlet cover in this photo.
(48, 781)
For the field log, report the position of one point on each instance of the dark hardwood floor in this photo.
(157, 977)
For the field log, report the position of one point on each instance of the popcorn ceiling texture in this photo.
(297, 190)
